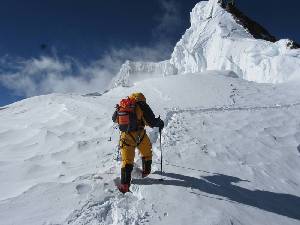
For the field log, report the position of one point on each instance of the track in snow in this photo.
(133, 208)
(224, 108)
(117, 209)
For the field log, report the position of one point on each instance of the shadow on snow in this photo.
(221, 185)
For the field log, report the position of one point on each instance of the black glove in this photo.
(159, 123)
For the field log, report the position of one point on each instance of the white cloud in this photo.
(45, 64)
(48, 74)
(44, 75)
(157, 52)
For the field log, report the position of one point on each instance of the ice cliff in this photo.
(218, 40)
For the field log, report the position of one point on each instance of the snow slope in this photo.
(231, 147)
(215, 41)
(231, 156)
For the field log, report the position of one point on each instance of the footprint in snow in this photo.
(83, 188)
(136, 173)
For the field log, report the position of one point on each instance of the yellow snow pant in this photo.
(131, 140)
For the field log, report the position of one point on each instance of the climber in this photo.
(132, 115)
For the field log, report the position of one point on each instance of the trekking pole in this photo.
(119, 147)
(161, 156)
(112, 132)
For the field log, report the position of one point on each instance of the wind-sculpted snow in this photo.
(134, 71)
(230, 156)
(215, 41)
(248, 136)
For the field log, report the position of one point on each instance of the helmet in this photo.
(138, 96)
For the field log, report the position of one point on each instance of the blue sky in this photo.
(96, 36)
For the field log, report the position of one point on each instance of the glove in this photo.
(160, 124)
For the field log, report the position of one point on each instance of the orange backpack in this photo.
(126, 115)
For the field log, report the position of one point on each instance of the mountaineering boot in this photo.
(123, 188)
(125, 178)
(146, 164)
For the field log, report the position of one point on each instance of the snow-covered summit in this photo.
(217, 41)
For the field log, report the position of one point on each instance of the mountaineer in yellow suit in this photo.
(132, 115)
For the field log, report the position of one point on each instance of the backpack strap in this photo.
(137, 141)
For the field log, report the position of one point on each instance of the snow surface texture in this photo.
(215, 41)
(231, 156)
(231, 147)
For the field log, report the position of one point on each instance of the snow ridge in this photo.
(138, 70)
(215, 41)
